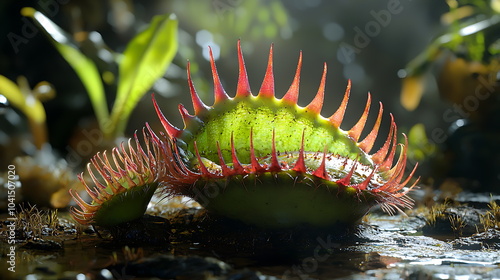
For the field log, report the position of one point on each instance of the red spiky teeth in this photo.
(179, 165)
(390, 187)
(130, 168)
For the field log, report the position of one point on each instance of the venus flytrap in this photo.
(266, 161)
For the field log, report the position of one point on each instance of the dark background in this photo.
(323, 30)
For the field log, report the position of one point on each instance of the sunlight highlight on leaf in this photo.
(27, 104)
(83, 66)
(145, 59)
(23, 98)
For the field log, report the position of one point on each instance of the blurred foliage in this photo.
(45, 179)
(44, 176)
(412, 88)
(419, 146)
(83, 66)
(219, 24)
(234, 18)
(145, 59)
(465, 62)
(471, 42)
(29, 102)
(460, 79)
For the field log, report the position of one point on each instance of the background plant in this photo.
(471, 34)
(145, 59)
(29, 102)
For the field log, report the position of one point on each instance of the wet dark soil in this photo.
(190, 244)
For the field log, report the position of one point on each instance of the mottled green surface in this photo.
(261, 114)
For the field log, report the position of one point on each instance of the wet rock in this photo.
(453, 221)
(148, 230)
(42, 244)
(489, 239)
(438, 270)
(419, 243)
(477, 200)
(467, 244)
(247, 275)
(174, 267)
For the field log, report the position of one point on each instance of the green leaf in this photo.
(23, 98)
(26, 103)
(146, 59)
(83, 66)
(419, 146)
(12, 92)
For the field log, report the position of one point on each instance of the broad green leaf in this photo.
(83, 66)
(26, 103)
(145, 60)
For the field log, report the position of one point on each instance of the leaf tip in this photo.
(28, 12)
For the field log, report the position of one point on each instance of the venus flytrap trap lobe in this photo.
(276, 164)
(129, 183)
